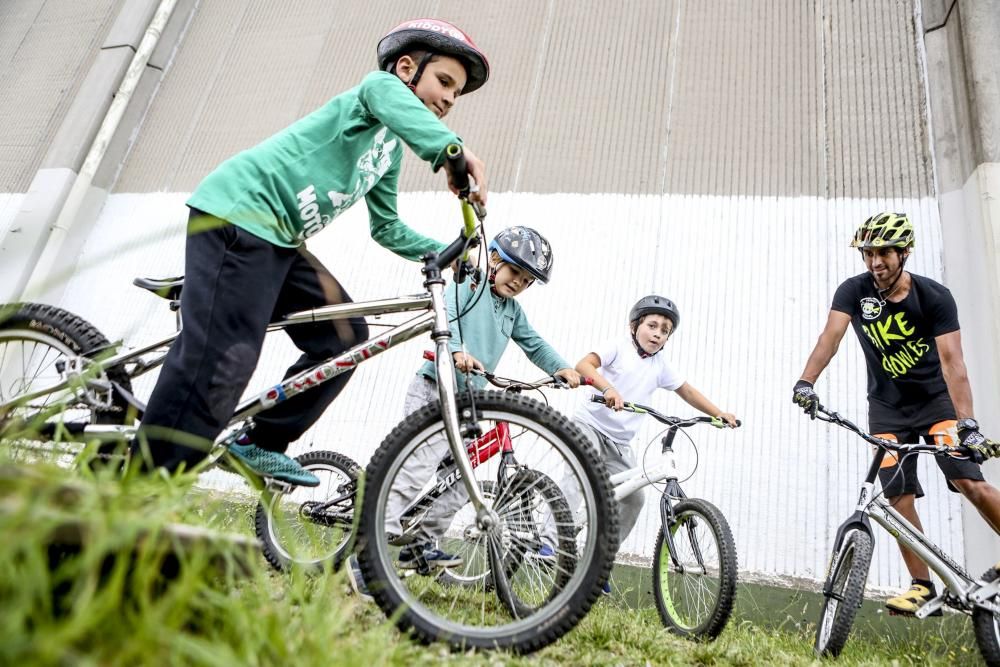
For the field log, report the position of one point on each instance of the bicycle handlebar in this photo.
(508, 383)
(823, 414)
(672, 422)
(459, 170)
(457, 167)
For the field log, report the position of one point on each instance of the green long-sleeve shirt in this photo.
(293, 184)
(487, 327)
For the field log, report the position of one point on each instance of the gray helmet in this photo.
(526, 248)
(653, 304)
(435, 36)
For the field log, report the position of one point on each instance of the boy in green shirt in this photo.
(246, 262)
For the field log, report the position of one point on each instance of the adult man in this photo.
(917, 381)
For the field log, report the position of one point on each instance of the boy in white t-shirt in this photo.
(630, 368)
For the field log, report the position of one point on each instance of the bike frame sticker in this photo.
(316, 376)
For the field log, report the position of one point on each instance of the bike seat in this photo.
(168, 288)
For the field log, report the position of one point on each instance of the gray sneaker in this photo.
(273, 464)
(409, 557)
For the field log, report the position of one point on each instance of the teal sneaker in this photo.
(273, 464)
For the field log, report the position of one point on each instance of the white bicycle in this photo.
(694, 560)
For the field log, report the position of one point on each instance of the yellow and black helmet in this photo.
(885, 230)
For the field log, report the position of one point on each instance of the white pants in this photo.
(420, 468)
(617, 457)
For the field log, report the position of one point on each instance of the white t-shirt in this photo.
(635, 378)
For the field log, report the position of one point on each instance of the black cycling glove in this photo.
(979, 447)
(804, 397)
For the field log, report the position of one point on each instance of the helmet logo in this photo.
(871, 308)
(434, 26)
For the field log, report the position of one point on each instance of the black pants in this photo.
(235, 284)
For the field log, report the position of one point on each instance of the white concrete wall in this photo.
(10, 204)
(971, 247)
(753, 278)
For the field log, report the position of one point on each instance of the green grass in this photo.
(109, 602)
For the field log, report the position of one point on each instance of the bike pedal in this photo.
(277, 486)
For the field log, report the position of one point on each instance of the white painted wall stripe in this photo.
(753, 278)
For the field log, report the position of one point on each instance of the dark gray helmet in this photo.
(526, 248)
(659, 305)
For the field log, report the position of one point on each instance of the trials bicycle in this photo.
(694, 558)
(61, 379)
(852, 553)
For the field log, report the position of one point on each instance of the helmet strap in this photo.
(491, 278)
(884, 294)
(417, 73)
(635, 341)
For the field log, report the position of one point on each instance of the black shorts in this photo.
(934, 421)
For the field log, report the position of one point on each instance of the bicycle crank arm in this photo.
(930, 607)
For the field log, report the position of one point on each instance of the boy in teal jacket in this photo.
(246, 261)
(491, 317)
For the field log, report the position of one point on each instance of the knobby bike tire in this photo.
(319, 541)
(847, 576)
(986, 626)
(55, 333)
(566, 608)
(712, 592)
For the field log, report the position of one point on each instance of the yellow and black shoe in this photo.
(909, 602)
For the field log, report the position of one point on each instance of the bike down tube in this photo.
(333, 367)
(907, 535)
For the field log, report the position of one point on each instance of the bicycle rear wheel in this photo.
(311, 526)
(537, 611)
(846, 585)
(986, 625)
(35, 342)
(694, 583)
(535, 515)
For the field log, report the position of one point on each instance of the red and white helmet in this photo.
(436, 36)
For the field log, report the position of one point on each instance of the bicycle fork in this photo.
(486, 518)
(668, 518)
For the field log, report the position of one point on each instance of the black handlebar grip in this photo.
(738, 423)
(458, 169)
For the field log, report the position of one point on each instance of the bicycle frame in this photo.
(629, 481)
(434, 319)
(957, 580)
(965, 591)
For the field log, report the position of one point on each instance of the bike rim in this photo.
(474, 611)
(295, 536)
(28, 362)
(691, 596)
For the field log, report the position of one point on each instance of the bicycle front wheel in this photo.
(311, 526)
(694, 571)
(986, 625)
(510, 607)
(845, 592)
